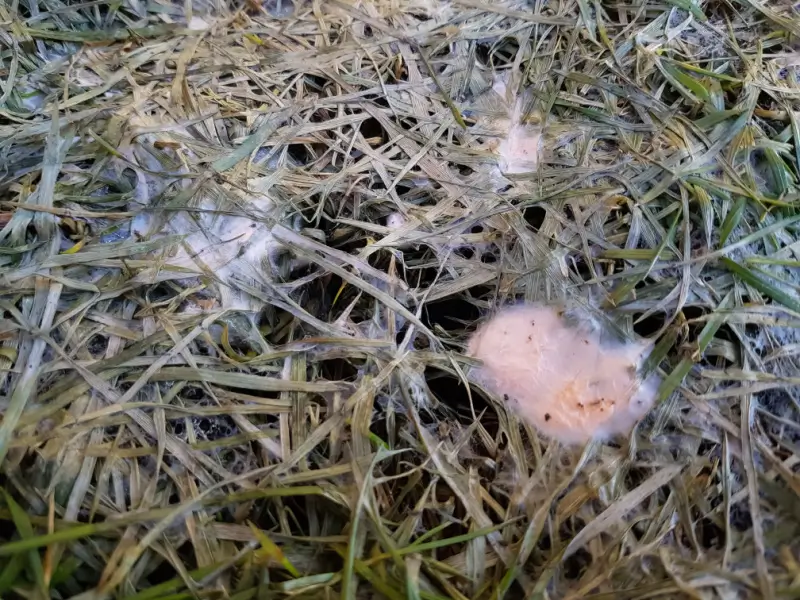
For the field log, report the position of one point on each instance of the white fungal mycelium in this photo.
(225, 231)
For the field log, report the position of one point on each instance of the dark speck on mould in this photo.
(586, 342)
(530, 338)
(533, 323)
(505, 397)
(546, 416)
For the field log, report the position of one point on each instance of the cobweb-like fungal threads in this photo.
(561, 378)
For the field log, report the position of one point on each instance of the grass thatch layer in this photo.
(155, 446)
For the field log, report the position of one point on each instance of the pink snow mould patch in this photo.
(560, 377)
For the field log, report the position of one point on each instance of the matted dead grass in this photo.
(243, 248)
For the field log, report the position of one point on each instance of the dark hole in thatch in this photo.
(465, 252)
(338, 369)
(23, 10)
(505, 52)
(635, 476)
(97, 345)
(709, 534)
(420, 270)
(321, 116)
(179, 427)
(693, 311)
(329, 298)
(453, 394)
(465, 171)
(161, 293)
(381, 101)
(751, 330)
(380, 428)
(534, 216)
(271, 323)
(193, 393)
(372, 128)
(111, 432)
(8, 530)
(451, 391)
(741, 520)
(545, 544)
(670, 95)
(164, 571)
(482, 53)
(569, 212)
(351, 240)
(299, 154)
(214, 427)
(315, 82)
(570, 528)
(707, 447)
(576, 564)
(612, 13)
(403, 188)
(581, 268)
(443, 51)
(649, 325)
(453, 313)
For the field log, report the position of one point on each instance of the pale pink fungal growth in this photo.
(561, 378)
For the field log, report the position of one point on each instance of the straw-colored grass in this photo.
(159, 443)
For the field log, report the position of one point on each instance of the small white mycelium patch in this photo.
(225, 231)
(197, 24)
(520, 149)
(395, 220)
(566, 381)
(227, 246)
(514, 134)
